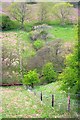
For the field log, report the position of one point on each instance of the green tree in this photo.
(49, 73)
(31, 78)
(70, 76)
(62, 11)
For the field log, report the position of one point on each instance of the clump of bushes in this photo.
(38, 44)
(7, 24)
(48, 75)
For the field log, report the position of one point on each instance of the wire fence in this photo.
(69, 102)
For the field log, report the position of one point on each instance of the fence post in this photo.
(41, 96)
(69, 103)
(52, 100)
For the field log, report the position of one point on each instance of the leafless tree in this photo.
(19, 11)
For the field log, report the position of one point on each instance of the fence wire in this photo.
(60, 101)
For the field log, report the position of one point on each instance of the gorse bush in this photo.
(31, 78)
(49, 73)
(38, 44)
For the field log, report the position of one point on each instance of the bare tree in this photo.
(19, 11)
(63, 11)
(44, 11)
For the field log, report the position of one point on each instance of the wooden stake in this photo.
(41, 96)
(52, 100)
(69, 103)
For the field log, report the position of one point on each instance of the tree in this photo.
(49, 73)
(44, 11)
(62, 11)
(19, 11)
(70, 76)
(31, 78)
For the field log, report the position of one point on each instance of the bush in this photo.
(5, 22)
(31, 78)
(38, 44)
(49, 73)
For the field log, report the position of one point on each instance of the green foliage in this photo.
(6, 23)
(28, 26)
(31, 78)
(69, 76)
(38, 44)
(49, 73)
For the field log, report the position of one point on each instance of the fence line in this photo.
(52, 100)
(69, 103)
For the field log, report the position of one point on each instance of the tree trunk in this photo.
(32, 85)
(22, 23)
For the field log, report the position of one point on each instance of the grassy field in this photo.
(18, 102)
(67, 32)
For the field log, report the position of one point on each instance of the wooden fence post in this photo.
(41, 96)
(69, 103)
(52, 100)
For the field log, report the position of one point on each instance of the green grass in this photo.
(66, 33)
(20, 103)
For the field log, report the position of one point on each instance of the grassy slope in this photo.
(18, 102)
(66, 33)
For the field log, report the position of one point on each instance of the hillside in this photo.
(40, 60)
(16, 41)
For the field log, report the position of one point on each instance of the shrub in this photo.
(6, 22)
(31, 78)
(48, 72)
(38, 44)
